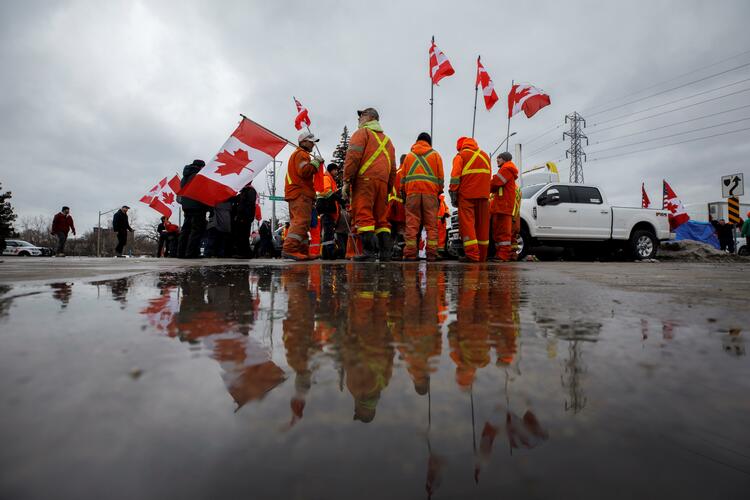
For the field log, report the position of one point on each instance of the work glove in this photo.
(454, 198)
(345, 191)
(316, 161)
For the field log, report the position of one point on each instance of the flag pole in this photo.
(432, 97)
(269, 131)
(476, 92)
(507, 134)
(309, 131)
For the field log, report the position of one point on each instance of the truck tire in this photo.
(24, 253)
(643, 244)
(523, 243)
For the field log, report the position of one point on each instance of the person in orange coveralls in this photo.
(299, 192)
(422, 182)
(370, 170)
(502, 205)
(396, 210)
(469, 191)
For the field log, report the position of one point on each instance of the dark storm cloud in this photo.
(101, 99)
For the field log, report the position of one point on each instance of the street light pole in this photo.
(501, 144)
(99, 231)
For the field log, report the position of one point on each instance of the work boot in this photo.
(386, 246)
(369, 247)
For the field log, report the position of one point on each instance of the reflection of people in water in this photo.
(418, 335)
(469, 333)
(502, 309)
(299, 327)
(524, 432)
(62, 292)
(367, 352)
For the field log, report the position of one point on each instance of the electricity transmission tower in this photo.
(575, 152)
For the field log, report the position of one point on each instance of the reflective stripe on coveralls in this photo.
(381, 149)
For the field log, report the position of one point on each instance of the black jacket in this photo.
(244, 205)
(120, 222)
(187, 175)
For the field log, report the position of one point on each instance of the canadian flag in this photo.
(440, 67)
(163, 196)
(677, 214)
(247, 152)
(645, 202)
(302, 119)
(527, 98)
(488, 88)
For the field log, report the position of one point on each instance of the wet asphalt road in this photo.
(139, 378)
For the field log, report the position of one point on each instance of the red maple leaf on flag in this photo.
(167, 198)
(233, 163)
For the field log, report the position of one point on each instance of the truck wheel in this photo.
(744, 251)
(24, 253)
(523, 243)
(643, 245)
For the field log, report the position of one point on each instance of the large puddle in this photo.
(367, 381)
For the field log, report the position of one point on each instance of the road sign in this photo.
(733, 210)
(276, 198)
(732, 185)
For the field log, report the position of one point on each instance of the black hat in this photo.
(506, 156)
(199, 163)
(424, 136)
(331, 166)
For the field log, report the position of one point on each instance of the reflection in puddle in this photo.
(395, 381)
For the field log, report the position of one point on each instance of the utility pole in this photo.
(271, 180)
(575, 152)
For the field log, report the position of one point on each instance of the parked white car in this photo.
(578, 215)
(740, 245)
(21, 248)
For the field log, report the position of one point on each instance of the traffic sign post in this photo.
(732, 185)
(733, 210)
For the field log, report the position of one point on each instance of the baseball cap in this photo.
(369, 111)
(307, 136)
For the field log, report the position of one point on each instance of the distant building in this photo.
(716, 209)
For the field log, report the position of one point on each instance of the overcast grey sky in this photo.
(100, 100)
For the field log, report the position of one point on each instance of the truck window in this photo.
(565, 194)
(529, 191)
(585, 194)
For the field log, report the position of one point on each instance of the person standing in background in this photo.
(62, 224)
(121, 226)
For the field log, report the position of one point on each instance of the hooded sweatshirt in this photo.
(471, 172)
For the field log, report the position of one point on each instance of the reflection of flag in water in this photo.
(249, 373)
(161, 311)
(524, 432)
(667, 330)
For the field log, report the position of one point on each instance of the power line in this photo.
(544, 148)
(671, 144)
(677, 100)
(673, 135)
(670, 80)
(543, 134)
(671, 89)
(664, 126)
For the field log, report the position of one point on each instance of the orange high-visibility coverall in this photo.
(516, 232)
(470, 177)
(300, 193)
(469, 334)
(298, 334)
(422, 182)
(370, 168)
(442, 214)
(502, 201)
(417, 335)
(367, 347)
(314, 250)
(396, 210)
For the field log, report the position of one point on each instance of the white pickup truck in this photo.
(578, 215)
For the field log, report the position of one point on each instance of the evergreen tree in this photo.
(339, 154)
(6, 217)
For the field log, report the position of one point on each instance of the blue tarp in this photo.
(697, 231)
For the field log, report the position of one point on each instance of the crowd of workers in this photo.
(386, 207)
(366, 209)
